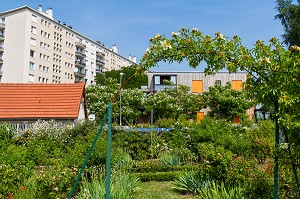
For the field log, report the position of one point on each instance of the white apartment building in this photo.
(36, 48)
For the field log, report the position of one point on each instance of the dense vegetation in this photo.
(43, 161)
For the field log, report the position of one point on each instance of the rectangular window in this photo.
(32, 53)
(200, 116)
(237, 84)
(34, 18)
(31, 78)
(197, 86)
(33, 42)
(218, 82)
(33, 30)
(31, 66)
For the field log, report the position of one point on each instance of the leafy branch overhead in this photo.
(273, 71)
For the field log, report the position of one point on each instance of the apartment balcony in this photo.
(1, 48)
(80, 73)
(2, 26)
(100, 62)
(80, 54)
(99, 70)
(1, 37)
(80, 64)
(1, 61)
(80, 44)
(100, 54)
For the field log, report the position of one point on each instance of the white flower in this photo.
(284, 145)
(266, 60)
(165, 44)
(195, 30)
(174, 34)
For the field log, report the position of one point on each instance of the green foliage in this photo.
(215, 190)
(173, 103)
(216, 160)
(122, 186)
(140, 79)
(98, 97)
(225, 102)
(190, 182)
(6, 133)
(288, 14)
(159, 176)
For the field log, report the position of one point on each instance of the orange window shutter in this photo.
(237, 84)
(197, 86)
(200, 116)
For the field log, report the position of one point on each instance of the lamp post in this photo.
(121, 74)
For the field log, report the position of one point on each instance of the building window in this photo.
(218, 82)
(33, 30)
(237, 84)
(34, 18)
(33, 42)
(197, 86)
(31, 66)
(31, 78)
(32, 53)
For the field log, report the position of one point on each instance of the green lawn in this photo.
(158, 190)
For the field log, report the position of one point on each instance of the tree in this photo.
(137, 81)
(173, 103)
(225, 102)
(289, 15)
(274, 72)
(98, 97)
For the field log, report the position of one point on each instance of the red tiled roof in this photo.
(40, 101)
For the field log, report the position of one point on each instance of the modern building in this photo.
(198, 82)
(34, 47)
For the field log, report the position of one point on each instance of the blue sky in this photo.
(129, 24)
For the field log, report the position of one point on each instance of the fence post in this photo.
(88, 155)
(107, 195)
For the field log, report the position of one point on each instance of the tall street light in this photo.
(121, 74)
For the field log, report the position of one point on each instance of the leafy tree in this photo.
(289, 15)
(274, 72)
(98, 97)
(173, 102)
(225, 102)
(137, 81)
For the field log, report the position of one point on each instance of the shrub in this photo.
(216, 160)
(190, 182)
(158, 176)
(216, 190)
(122, 186)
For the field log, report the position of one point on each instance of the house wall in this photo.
(199, 82)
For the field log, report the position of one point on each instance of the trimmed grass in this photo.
(158, 190)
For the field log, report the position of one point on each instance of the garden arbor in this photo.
(274, 72)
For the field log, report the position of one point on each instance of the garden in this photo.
(210, 159)
(213, 159)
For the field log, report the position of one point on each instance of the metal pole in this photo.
(121, 74)
(107, 195)
(151, 126)
(275, 190)
(88, 156)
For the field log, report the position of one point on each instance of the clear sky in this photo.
(129, 24)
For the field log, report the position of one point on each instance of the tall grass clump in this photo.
(190, 182)
(121, 187)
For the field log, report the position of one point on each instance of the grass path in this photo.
(158, 190)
